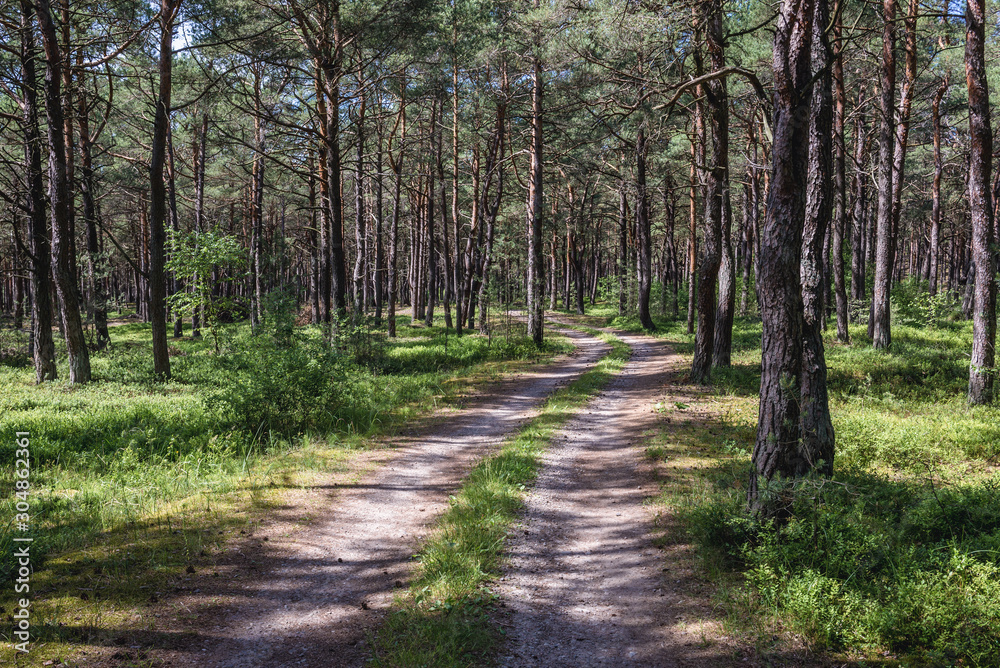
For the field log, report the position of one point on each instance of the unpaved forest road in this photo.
(586, 586)
(321, 588)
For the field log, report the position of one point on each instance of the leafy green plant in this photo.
(192, 256)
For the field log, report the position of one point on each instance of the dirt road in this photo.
(314, 594)
(586, 585)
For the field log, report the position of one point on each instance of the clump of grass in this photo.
(443, 619)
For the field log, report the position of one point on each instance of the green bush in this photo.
(282, 390)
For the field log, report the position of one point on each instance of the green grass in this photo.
(133, 479)
(897, 558)
(443, 618)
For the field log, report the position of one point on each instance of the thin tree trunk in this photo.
(722, 349)
(716, 180)
(622, 250)
(397, 171)
(840, 186)
(644, 240)
(984, 315)
(935, 240)
(360, 215)
(536, 279)
(880, 325)
(693, 229)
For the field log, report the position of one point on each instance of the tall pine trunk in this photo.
(61, 202)
(44, 351)
(817, 428)
(879, 325)
(984, 315)
(776, 452)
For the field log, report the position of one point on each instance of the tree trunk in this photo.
(840, 186)
(776, 452)
(817, 428)
(44, 352)
(880, 327)
(643, 234)
(903, 125)
(722, 349)
(984, 315)
(536, 279)
(61, 200)
(360, 215)
(935, 238)
(693, 226)
(716, 180)
(622, 250)
(397, 172)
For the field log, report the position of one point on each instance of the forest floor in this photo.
(622, 540)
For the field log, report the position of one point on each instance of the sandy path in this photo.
(319, 589)
(586, 586)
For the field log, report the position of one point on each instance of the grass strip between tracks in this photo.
(443, 619)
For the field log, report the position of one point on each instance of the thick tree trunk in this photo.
(44, 352)
(984, 315)
(817, 427)
(776, 452)
(880, 326)
(61, 200)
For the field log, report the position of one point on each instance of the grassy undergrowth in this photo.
(896, 560)
(133, 479)
(443, 618)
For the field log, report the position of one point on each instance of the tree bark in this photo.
(397, 172)
(984, 315)
(880, 325)
(536, 279)
(622, 250)
(643, 233)
(61, 200)
(44, 352)
(817, 428)
(935, 237)
(360, 215)
(693, 226)
(840, 186)
(722, 350)
(776, 452)
(716, 180)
